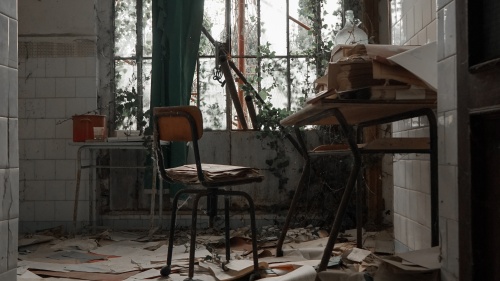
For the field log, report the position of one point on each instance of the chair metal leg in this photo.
(253, 227)
(226, 222)
(192, 247)
(165, 271)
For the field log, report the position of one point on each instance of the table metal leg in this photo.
(347, 192)
(301, 148)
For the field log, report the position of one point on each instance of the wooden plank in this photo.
(391, 144)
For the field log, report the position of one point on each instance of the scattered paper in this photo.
(358, 255)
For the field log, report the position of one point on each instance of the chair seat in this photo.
(214, 173)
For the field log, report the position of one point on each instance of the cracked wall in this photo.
(9, 152)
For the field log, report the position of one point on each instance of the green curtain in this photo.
(176, 37)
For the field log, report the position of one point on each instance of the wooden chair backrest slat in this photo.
(173, 124)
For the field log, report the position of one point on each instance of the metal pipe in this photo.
(241, 47)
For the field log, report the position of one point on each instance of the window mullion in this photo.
(139, 60)
(288, 76)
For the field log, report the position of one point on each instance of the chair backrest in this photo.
(176, 123)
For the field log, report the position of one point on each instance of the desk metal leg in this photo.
(434, 177)
(300, 146)
(77, 189)
(347, 192)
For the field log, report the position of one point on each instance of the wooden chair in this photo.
(185, 124)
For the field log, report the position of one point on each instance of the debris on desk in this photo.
(379, 72)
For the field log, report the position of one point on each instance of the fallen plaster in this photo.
(134, 256)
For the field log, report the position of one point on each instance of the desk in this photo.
(91, 147)
(353, 116)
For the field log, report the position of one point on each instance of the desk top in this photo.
(354, 111)
(110, 145)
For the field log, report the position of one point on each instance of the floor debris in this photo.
(136, 256)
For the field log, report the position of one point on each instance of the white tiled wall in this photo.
(413, 23)
(419, 22)
(52, 88)
(447, 126)
(9, 151)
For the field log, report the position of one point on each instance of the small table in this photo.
(353, 116)
(92, 147)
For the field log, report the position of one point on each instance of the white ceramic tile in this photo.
(440, 35)
(12, 43)
(399, 173)
(409, 174)
(55, 108)
(441, 139)
(55, 67)
(4, 245)
(45, 87)
(421, 199)
(13, 143)
(64, 211)
(416, 175)
(410, 23)
(4, 92)
(418, 14)
(428, 221)
(86, 87)
(12, 93)
(55, 149)
(34, 108)
(33, 190)
(27, 170)
(442, 3)
(91, 105)
(447, 81)
(451, 142)
(13, 181)
(65, 87)
(55, 191)
(448, 192)
(422, 36)
(45, 129)
(410, 233)
(413, 205)
(35, 67)
(75, 67)
(427, 12)
(425, 178)
(433, 8)
(71, 189)
(64, 130)
(13, 243)
(26, 87)
(44, 210)
(4, 142)
(453, 246)
(76, 106)
(4, 43)
(45, 169)
(9, 8)
(9, 275)
(450, 37)
(83, 210)
(91, 66)
(26, 210)
(65, 169)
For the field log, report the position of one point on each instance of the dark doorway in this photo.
(485, 200)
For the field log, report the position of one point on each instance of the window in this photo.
(133, 47)
(272, 42)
